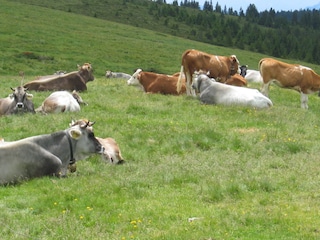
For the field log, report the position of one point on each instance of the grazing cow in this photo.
(156, 83)
(18, 102)
(71, 81)
(112, 153)
(121, 75)
(219, 67)
(45, 155)
(292, 76)
(61, 101)
(218, 93)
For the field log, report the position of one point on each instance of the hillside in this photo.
(192, 171)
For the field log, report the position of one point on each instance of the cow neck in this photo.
(72, 159)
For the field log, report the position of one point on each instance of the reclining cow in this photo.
(112, 153)
(45, 155)
(61, 101)
(18, 102)
(219, 67)
(71, 81)
(218, 93)
(120, 75)
(156, 83)
(292, 76)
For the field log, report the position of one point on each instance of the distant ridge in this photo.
(317, 7)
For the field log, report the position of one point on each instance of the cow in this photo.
(218, 93)
(291, 76)
(236, 80)
(112, 153)
(76, 80)
(61, 101)
(219, 67)
(18, 102)
(45, 155)
(156, 83)
(121, 75)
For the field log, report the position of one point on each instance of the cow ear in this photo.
(29, 96)
(75, 134)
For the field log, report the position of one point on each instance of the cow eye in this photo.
(91, 135)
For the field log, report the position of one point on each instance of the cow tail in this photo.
(179, 83)
(259, 66)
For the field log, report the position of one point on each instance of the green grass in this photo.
(246, 174)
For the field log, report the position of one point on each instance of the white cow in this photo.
(61, 101)
(110, 74)
(253, 76)
(217, 93)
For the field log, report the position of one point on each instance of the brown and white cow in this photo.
(18, 102)
(61, 101)
(219, 67)
(157, 83)
(292, 76)
(71, 81)
(112, 152)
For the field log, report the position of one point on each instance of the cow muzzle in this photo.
(19, 105)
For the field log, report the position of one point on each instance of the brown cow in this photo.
(71, 81)
(292, 76)
(236, 80)
(219, 67)
(156, 83)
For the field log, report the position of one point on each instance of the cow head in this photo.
(234, 65)
(21, 100)
(82, 132)
(86, 69)
(243, 70)
(134, 80)
(108, 74)
(76, 96)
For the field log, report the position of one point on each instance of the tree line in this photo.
(285, 34)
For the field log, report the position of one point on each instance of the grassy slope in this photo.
(248, 174)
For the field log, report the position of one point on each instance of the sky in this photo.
(261, 5)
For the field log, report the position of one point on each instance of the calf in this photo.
(217, 93)
(18, 102)
(61, 101)
(45, 155)
(156, 83)
(112, 152)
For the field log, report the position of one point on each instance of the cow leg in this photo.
(304, 100)
(265, 89)
(188, 83)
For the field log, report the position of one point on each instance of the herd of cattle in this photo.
(215, 79)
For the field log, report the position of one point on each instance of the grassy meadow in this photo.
(193, 171)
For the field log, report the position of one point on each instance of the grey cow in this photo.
(17, 102)
(212, 92)
(45, 155)
(110, 74)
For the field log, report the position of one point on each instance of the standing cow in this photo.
(219, 67)
(292, 76)
(18, 102)
(70, 81)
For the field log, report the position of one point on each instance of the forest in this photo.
(285, 34)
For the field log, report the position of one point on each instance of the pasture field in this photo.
(238, 173)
